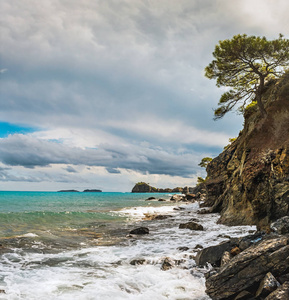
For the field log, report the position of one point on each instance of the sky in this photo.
(106, 93)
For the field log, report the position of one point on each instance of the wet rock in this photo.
(150, 198)
(140, 230)
(161, 217)
(246, 270)
(183, 248)
(136, 262)
(198, 246)
(281, 226)
(167, 264)
(177, 198)
(190, 197)
(191, 226)
(244, 295)
(162, 200)
(249, 240)
(212, 254)
(204, 211)
(267, 285)
(225, 258)
(235, 251)
(282, 292)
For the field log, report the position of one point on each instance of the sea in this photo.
(78, 246)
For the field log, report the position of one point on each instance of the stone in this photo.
(247, 269)
(267, 285)
(212, 254)
(282, 292)
(244, 295)
(177, 198)
(281, 226)
(183, 248)
(150, 198)
(137, 262)
(225, 258)
(249, 240)
(167, 264)
(162, 200)
(235, 251)
(204, 211)
(191, 226)
(190, 196)
(140, 230)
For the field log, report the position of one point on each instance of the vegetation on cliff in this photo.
(244, 64)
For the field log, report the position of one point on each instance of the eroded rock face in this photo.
(249, 181)
(245, 271)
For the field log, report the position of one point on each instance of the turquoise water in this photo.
(75, 216)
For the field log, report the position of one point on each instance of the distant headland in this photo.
(85, 191)
(143, 187)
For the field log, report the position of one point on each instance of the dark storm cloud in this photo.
(21, 150)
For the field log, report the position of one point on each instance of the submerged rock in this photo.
(140, 230)
(191, 226)
(167, 264)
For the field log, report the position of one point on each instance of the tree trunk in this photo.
(259, 93)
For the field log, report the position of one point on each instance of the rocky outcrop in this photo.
(248, 183)
(142, 187)
(256, 271)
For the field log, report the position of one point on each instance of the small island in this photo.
(68, 191)
(85, 191)
(92, 191)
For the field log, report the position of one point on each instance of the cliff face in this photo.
(249, 181)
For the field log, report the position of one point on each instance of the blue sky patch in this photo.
(8, 128)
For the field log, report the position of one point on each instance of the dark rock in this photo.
(183, 248)
(140, 230)
(137, 262)
(281, 226)
(212, 254)
(249, 240)
(161, 217)
(283, 278)
(167, 264)
(191, 226)
(282, 292)
(204, 211)
(190, 196)
(151, 198)
(162, 200)
(198, 246)
(267, 285)
(246, 270)
(177, 198)
(142, 187)
(244, 295)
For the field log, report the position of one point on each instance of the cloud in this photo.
(70, 169)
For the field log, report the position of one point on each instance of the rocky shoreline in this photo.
(255, 266)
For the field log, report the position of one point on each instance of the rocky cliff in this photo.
(248, 183)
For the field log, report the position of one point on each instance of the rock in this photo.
(283, 278)
(281, 226)
(282, 292)
(244, 295)
(198, 246)
(137, 262)
(235, 251)
(163, 200)
(177, 198)
(167, 264)
(267, 285)
(142, 187)
(191, 226)
(248, 182)
(212, 254)
(140, 230)
(246, 270)
(190, 196)
(225, 258)
(161, 217)
(150, 198)
(249, 240)
(204, 211)
(183, 248)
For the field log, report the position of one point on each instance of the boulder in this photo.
(268, 285)
(136, 262)
(150, 198)
(281, 226)
(167, 264)
(191, 226)
(190, 196)
(225, 258)
(246, 270)
(140, 230)
(235, 251)
(282, 292)
(212, 254)
(177, 198)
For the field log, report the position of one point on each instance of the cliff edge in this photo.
(248, 183)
